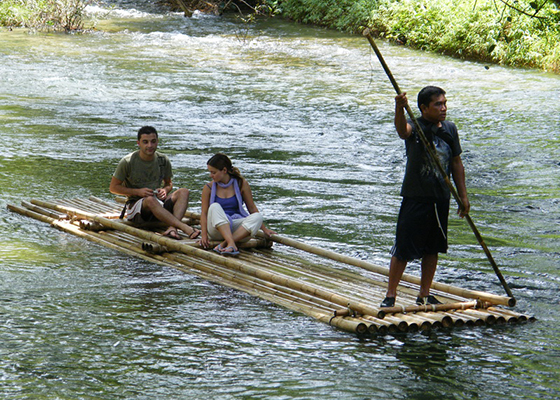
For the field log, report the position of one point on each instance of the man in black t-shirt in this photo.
(422, 223)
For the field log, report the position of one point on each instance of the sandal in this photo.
(194, 234)
(218, 249)
(227, 252)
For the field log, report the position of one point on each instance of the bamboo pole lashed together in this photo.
(435, 161)
(473, 294)
(454, 290)
(229, 262)
(262, 275)
(346, 324)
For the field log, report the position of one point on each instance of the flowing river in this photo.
(306, 114)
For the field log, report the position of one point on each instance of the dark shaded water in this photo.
(307, 116)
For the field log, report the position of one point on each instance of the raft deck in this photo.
(342, 291)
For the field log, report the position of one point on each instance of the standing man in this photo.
(422, 222)
(140, 176)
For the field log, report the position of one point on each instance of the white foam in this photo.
(118, 13)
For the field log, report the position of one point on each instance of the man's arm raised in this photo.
(403, 128)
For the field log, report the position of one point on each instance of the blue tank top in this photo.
(230, 205)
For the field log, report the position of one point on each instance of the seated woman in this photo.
(223, 216)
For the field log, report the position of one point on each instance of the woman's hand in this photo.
(204, 242)
(267, 232)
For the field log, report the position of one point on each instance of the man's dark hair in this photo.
(427, 94)
(146, 130)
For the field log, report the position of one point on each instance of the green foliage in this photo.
(56, 15)
(517, 33)
(339, 14)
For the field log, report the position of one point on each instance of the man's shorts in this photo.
(135, 213)
(421, 229)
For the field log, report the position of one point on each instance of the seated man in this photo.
(140, 175)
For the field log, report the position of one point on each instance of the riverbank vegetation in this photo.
(524, 33)
(246, 8)
(47, 15)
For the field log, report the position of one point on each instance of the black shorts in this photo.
(421, 229)
(147, 216)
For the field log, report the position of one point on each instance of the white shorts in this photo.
(217, 217)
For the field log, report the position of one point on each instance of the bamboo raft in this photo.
(341, 291)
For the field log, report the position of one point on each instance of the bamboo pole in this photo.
(234, 275)
(434, 160)
(424, 324)
(502, 318)
(425, 308)
(456, 320)
(520, 317)
(293, 304)
(300, 301)
(442, 287)
(399, 323)
(439, 320)
(279, 291)
(284, 299)
(98, 209)
(229, 262)
(470, 320)
(117, 242)
(351, 282)
(465, 293)
(413, 325)
(356, 285)
(84, 203)
(388, 327)
(416, 308)
(327, 279)
(65, 225)
(112, 206)
(31, 213)
(488, 318)
(43, 211)
(296, 304)
(408, 291)
(341, 323)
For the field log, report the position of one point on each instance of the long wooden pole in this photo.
(435, 161)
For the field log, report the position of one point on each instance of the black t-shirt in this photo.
(421, 180)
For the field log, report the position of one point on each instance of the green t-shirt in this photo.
(137, 173)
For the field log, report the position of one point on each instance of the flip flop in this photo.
(195, 233)
(229, 253)
(218, 249)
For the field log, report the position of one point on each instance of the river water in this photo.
(306, 114)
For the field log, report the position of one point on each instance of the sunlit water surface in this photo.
(306, 114)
